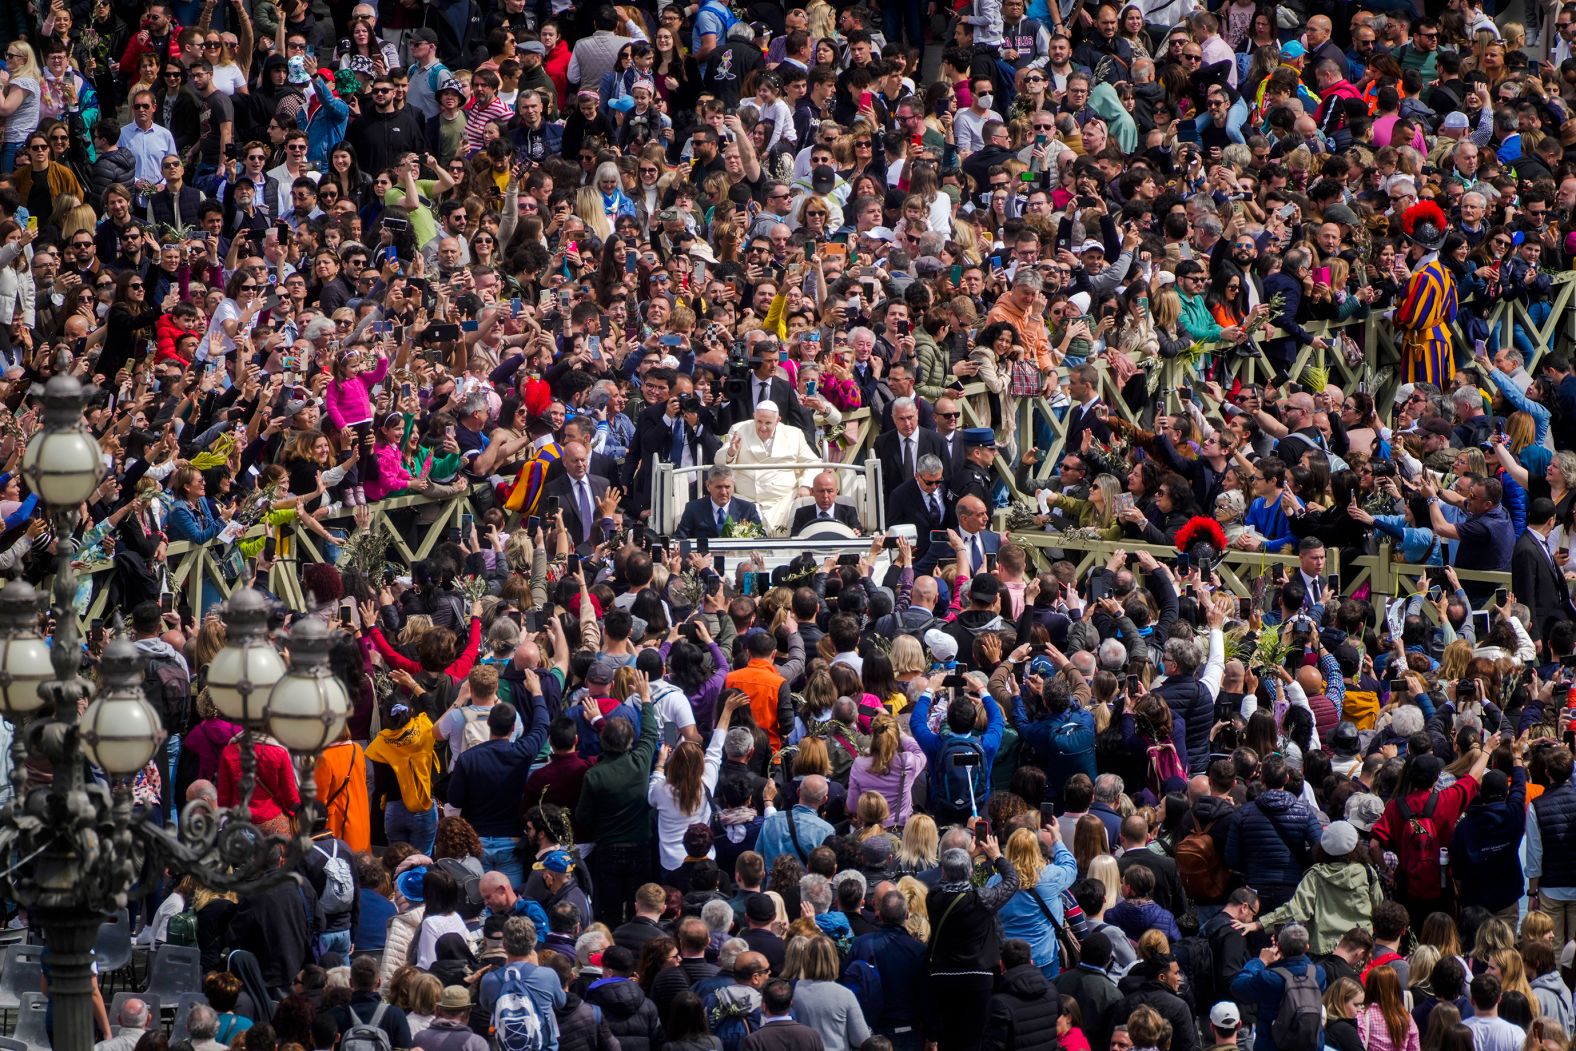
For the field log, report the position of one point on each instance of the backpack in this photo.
(728, 1023)
(1203, 871)
(963, 789)
(169, 688)
(1301, 1013)
(1196, 958)
(516, 1025)
(861, 978)
(474, 731)
(339, 885)
(1164, 765)
(1418, 873)
(182, 929)
(1384, 959)
(471, 903)
(366, 1036)
(724, 15)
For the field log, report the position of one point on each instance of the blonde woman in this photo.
(819, 1000)
(915, 892)
(919, 849)
(19, 101)
(1506, 965)
(909, 668)
(588, 206)
(1036, 912)
(893, 766)
(1343, 1002)
(1098, 512)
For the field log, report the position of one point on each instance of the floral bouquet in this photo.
(472, 587)
(742, 529)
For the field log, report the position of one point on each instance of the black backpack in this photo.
(470, 883)
(169, 689)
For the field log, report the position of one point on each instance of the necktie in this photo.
(1313, 590)
(722, 513)
(824, 515)
(677, 454)
(935, 507)
(585, 510)
(979, 554)
(908, 457)
(764, 394)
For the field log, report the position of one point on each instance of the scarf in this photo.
(409, 750)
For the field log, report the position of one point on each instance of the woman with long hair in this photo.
(1037, 910)
(1089, 842)
(20, 93)
(1343, 1002)
(680, 786)
(344, 171)
(1384, 1023)
(671, 71)
(920, 847)
(891, 768)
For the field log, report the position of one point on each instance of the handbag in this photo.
(1066, 942)
(1026, 381)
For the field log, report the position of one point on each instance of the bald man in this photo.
(824, 508)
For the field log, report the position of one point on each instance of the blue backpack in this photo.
(862, 979)
(729, 1023)
(952, 781)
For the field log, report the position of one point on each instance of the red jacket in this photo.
(275, 793)
(140, 43)
(166, 334)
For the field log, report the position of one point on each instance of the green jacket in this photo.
(934, 367)
(1332, 898)
(1196, 319)
(612, 808)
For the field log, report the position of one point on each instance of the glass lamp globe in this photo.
(308, 706)
(242, 673)
(63, 464)
(121, 730)
(24, 658)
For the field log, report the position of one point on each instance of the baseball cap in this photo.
(823, 179)
(559, 861)
(1339, 213)
(879, 233)
(602, 671)
(1091, 245)
(942, 647)
(1435, 425)
(1225, 1015)
(424, 36)
(1293, 49)
(533, 47)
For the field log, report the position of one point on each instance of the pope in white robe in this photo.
(763, 440)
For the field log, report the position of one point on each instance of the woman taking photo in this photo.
(130, 315)
(1036, 912)
(684, 779)
(19, 101)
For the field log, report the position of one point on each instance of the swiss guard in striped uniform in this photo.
(1429, 306)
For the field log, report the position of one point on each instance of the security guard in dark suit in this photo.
(976, 478)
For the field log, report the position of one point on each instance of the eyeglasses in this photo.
(863, 144)
(928, 483)
(133, 285)
(949, 415)
(142, 105)
(210, 43)
(81, 244)
(247, 288)
(1189, 57)
(60, 137)
(1044, 127)
(177, 74)
(650, 170)
(102, 285)
(295, 147)
(382, 91)
(38, 146)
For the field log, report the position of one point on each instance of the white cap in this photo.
(1225, 1015)
(942, 647)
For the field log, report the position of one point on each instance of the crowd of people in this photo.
(948, 792)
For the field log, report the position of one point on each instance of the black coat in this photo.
(1171, 1007)
(1096, 993)
(907, 505)
(1023, 1012)
(1169, 894)
(804, 517)
(627, 1013)
(890, 454)
(1539, 583)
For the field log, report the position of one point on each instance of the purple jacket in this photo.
(207, 739)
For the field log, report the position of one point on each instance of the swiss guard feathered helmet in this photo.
(1424, 223)
(1204, 540)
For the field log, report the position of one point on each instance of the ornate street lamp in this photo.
(71, 848)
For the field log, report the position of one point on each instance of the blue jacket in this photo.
(1487, 845)
(900, 959)
(1063, 755)
(775, 838)
(1258, 985)
(1272, 840)
(930, 742)
(326, 128)
(1022, 916)
(183, 523)
(488, 780)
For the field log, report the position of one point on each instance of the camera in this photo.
(740, 367)
(1383, 468)
(689, 403)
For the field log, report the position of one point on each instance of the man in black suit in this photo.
(824, 489)
(766, 385)
(900, 381)
(704, 517)
(901, 448)
(1085, 414)
(653, 437)
(949, 428)
(922, 502)
(580, 493)
(1535, 578)
(778, 1031)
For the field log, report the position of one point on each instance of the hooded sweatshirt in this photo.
(408, 750)
(1333, 897)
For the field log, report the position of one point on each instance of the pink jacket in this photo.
(349, 402)
(390, 476)
(1375, 1033)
